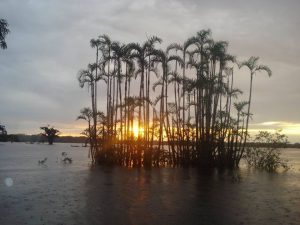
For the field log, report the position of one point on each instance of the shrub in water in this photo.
(264, 152)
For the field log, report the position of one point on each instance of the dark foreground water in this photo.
(59, 193)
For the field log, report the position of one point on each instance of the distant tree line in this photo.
(38, 138)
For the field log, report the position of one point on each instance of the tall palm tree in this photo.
(129, 73)
(87, 115)
(120, 53)
(165, 60)
(191, 41)
(142, 53)
(178, 81)
(87, 76)
(96, 43)
(105, 48)
(3, 32)
(254, 67)
(203, 38)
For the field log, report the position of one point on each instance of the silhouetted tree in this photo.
(3, 133)
(50, 133)
(3, 32)
(87, 115)
(254, 67)
(2, 130)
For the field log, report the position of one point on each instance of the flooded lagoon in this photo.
(59, 193)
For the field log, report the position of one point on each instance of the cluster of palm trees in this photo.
(181, 100)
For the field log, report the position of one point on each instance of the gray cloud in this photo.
(49, 43)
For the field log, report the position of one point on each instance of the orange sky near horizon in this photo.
(292, 130)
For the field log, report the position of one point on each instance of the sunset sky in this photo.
(49, 43)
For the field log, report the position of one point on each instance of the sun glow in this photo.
(292, 130)
(286, 127)
(137, 131)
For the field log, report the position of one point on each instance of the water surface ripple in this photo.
(58, 193)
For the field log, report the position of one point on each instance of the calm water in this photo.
(59, 193)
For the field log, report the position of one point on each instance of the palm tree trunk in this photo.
(183, 103)
(247, 121)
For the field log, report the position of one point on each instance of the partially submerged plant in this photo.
(43, 161)
(66, 159)
(265, 152)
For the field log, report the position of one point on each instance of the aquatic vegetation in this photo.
(65, 158)
(265, 152)
(182, 110)
(43, 161)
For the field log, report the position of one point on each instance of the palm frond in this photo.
(176, 58)
(264, 68)
(250, 63)
(157, 83)
(189, 42)
(105, 39)
(174, 46)
(240, 105)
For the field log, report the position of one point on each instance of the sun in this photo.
(136, 131)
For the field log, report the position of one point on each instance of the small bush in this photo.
(265, 152)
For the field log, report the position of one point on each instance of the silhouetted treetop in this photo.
(3, 32)
(50, 133)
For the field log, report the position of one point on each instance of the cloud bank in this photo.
(49, 43)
